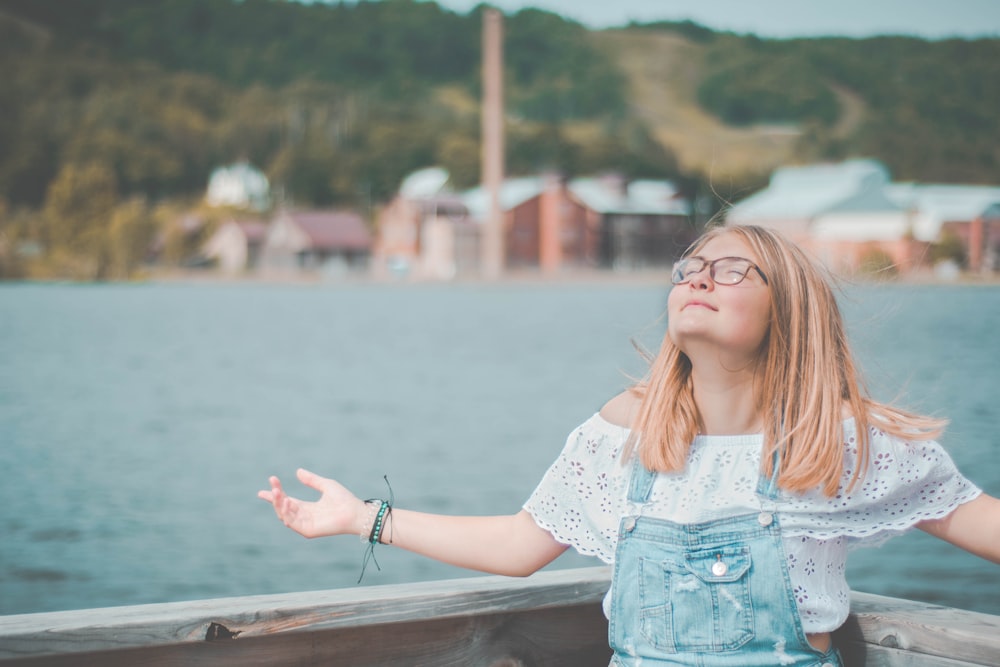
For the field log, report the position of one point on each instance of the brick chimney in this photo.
(493, 144)
(550, 222)
(976, 244)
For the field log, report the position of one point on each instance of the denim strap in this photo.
(768, 488)
(641, 482)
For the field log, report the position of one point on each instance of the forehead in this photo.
(727, 245)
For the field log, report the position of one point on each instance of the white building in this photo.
(849, 211)
(239, 185)
(841, 212)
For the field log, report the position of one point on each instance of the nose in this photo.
(701, 279)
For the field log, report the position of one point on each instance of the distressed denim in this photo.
(713, 594)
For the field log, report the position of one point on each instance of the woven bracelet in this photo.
(379, 523)
(381, 517)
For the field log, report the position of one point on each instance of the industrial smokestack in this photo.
(493, 145)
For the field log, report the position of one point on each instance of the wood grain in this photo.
(552, 619)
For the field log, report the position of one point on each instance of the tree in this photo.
(78, 208)
(129, 235)
(459, 153)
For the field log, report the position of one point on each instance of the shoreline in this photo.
(527, 276)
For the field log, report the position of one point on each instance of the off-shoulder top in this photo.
(583, 496)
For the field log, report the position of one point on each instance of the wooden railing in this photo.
(550, 619)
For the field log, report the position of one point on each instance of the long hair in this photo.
(804, 378)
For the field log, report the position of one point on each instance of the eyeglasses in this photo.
(723, 271)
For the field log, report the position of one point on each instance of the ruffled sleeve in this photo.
(904, 483)
(581, 496)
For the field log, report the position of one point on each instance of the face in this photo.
(728, 319)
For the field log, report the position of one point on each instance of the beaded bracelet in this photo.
(378, 517)
(384, 509)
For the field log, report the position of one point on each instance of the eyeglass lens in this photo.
(724, 271)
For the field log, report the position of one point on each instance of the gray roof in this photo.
(513, 192)
(604, 195)
(808, 191)
(862, 186)
(641, 197)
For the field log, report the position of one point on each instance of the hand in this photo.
(337, 512)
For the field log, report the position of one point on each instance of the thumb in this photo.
(311, 479)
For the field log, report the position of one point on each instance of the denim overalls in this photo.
(713, 594)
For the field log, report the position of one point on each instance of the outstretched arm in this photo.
(974, 526)
(513, 545)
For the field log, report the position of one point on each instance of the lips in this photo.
(699, 304)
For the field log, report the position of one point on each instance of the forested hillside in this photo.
(118, 110)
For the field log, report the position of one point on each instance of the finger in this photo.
(280, 500)
(287, 511)
(266, 495)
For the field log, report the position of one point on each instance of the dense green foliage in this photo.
(933, 104)
(752, 81)
(930, 106)
(111, 110)
(337, 103)
(161, 92)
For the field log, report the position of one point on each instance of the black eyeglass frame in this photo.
(710, 265)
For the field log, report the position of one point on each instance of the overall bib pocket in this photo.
(698, 601)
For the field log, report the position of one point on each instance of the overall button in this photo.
(630, 524)
(765, 518)
(719, 568)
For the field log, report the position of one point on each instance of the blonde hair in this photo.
(805, 376)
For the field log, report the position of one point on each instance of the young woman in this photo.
(725, 488)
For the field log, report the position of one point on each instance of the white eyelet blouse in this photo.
(584, 494)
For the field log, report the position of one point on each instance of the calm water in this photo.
(138, 422)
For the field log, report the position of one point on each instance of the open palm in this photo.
(337, 512)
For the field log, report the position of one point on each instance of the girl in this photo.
(726, 487)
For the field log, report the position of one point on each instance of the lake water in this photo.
(137, 422)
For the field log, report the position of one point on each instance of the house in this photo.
(643, 223)
(429, 231)
(319, 240)
(850, 213)
(425, 231)
(602, 222)
(968, 214)
(180, 241)
(239, 185)
(544, 225)
(236, 245)
(549, 223)
(841, 212)
(985, 235)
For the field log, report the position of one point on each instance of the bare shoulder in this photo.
(621, 410)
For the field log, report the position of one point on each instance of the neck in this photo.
(726, 401)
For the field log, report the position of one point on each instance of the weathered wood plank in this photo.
(869, 655)
(922, 631)
(564, 637)
(146, 626)
(552, 619)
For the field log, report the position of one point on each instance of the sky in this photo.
(931, 19)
